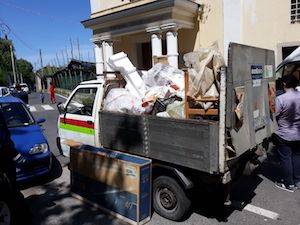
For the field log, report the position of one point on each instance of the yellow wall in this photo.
(208, 28)
(264, 23)
(107, 4)
(268, 25)
(211, 26)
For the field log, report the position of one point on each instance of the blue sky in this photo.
(49, 25)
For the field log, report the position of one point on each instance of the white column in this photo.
(99, 59)
(156, 44)
(172, 48)
(107, 47)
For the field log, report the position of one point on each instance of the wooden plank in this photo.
(206, 99)
(209, 112)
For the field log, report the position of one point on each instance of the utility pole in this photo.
(71, 49)
(67, 54)
(42, 67)
(58, 63)
(78, 49)
(13, 63)
(62, 51)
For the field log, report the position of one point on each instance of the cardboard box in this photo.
(117, 182)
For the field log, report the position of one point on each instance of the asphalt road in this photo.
(255, 199)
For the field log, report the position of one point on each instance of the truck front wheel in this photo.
(169, 199)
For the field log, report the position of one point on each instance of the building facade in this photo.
(145, 29)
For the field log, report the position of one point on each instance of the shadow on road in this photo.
(210, 204)
(50, 201)
(242, 191)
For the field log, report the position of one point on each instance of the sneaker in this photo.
(285, 187)
(298, 185)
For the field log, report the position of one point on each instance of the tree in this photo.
(5, 62)
(25, 69)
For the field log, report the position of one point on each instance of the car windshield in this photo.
(16, 114)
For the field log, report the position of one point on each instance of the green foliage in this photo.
(5, 61)
(26, 69)
(22, 66)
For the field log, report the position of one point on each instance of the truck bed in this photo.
(188, 143)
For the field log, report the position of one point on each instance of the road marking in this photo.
(32, 109)
(47, 107)
(262, 212)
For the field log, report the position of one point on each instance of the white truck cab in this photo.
(78, 119)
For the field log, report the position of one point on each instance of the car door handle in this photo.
(89, 122)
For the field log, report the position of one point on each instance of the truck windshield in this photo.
(16, 114)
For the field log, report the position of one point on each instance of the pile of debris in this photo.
(164, 90)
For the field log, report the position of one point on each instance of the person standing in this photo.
(42, 97)
(52, 93)
(287, 136)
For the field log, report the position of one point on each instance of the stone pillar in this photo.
(156, 41)
(99, 59)
(156, 44)
(107, 47)
(172, 48)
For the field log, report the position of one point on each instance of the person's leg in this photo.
(285, 158)
(296, 164)
(52, 97)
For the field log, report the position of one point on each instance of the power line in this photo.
(30, 11)
(17, 37)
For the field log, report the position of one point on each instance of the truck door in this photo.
(77, 121)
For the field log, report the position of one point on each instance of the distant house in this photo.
(170, 28)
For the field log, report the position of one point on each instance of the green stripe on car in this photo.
(74, 128)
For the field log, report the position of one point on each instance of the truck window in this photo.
(82, 102)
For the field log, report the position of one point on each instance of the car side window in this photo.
(82, 102)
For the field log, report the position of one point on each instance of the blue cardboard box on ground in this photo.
(117, 182)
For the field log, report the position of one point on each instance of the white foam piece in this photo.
(135, 84)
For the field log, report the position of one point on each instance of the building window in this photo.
(295, 11)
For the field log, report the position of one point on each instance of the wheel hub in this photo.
(167, 198)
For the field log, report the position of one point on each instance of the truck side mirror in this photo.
(61, 108)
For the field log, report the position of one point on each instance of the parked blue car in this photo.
(28, 138)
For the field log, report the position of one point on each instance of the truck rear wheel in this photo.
(169, 199)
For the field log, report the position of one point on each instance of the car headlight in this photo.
(38, 148)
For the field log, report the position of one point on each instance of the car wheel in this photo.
(169, 199)
(5, 212)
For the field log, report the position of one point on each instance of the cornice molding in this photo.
(182, 13)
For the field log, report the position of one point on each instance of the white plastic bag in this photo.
(121, 100)
(164, 75)
(176, 110)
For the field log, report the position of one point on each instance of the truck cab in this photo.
(78, 119)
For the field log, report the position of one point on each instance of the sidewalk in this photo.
(52, 204)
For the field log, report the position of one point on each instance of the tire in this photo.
(169, 199)
(5, 212)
